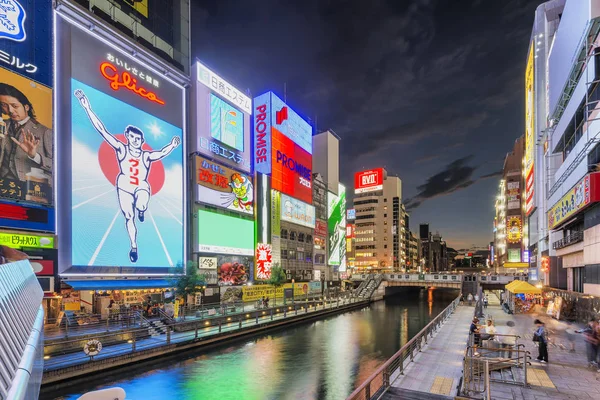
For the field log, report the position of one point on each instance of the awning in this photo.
(524, 287)
(120, 284)
(516, 265)
(511, 284)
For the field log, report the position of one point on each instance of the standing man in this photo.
(133, 189)
(24, 142)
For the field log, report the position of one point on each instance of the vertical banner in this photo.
(529, 132)
(276, 227)
(26, 136)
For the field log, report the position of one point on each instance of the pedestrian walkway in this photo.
(566, 376)
(437, 369)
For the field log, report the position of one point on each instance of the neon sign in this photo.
(127, 81)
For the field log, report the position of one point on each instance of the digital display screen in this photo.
(26, 217)
(292, 168)
(226, 234)
(226, 123)
(297, 212)
(336, 221)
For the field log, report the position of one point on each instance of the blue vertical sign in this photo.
(26, 38)
(262, 133)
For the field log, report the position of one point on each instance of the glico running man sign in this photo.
(126, 159)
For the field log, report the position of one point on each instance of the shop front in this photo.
(522, 297)
(101, 298)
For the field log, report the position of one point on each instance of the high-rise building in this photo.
(564, 54)
(379, 236)
(320, 236)
(540, 162)
(326, 164)
(511, 248)
(434, 257)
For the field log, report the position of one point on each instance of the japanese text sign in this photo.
(264, 259)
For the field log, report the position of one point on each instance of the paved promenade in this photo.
(566, 376)
(438, 368)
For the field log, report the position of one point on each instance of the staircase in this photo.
(368, 287)
(156, 328)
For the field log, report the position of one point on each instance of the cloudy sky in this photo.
(432, 90)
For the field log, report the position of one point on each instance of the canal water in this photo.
(326, 359)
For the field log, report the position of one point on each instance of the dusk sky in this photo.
(432, 90)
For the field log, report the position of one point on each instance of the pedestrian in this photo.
(571, 336)
(485, 301)
(541, 337)
(590, 334)
(474, 331)
(470, 299)
(507, 338)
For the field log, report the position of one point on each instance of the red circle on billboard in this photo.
(107, 158)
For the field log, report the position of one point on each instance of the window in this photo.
(300, 256)
(385, 222)
(284, 234)
(291, 254)
(293, 235)
(385, 200)
(384, 215)
(385, 246)
(301, 237)
(385, 231)
(309, 239)
(309, 258)
(284, 254)
(385, 238)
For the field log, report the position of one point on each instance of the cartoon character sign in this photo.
(243, 191)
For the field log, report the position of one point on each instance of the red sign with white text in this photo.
(368, 181)
(291, 168)
(264, 261)
(321, 228)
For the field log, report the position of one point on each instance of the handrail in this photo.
(384, 372)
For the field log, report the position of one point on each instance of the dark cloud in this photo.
(455, 176)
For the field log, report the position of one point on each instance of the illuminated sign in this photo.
(585, 192)
(124, 79)
(19, 216)
(273, 117)
(350, 231)
(545, 264)
(297, 212)
(222, 120)
(231, 269)
(223, 187)
(513, 197)
(351, 214)
(225, 234)
(514, 255)
(217, 84)
(529, 132)
(26, 38)
(264, 259)
(292, 168)
(291, 124)
(141, 6)
(18, 241)
(526, 256)
(513, 229)
(125, 163)
(368, 181)
(321, 228)
(336, 221)
(262, 134)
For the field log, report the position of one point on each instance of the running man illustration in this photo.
(133, 189)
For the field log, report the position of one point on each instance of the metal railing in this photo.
(493, 364)
(380, 380)
(568, 240)
(90, 324)
(179, 332)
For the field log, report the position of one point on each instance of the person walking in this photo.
(474, 330)
(541, 337)
(470, 299)
(485, 301)
(590, 334)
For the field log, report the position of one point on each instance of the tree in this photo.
(277, 279)
(189, 281)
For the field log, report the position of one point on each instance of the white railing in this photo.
(21, 332)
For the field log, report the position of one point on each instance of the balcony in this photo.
(568, 240)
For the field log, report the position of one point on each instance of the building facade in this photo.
(512, 253)
(434, 255)
(379, 226)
